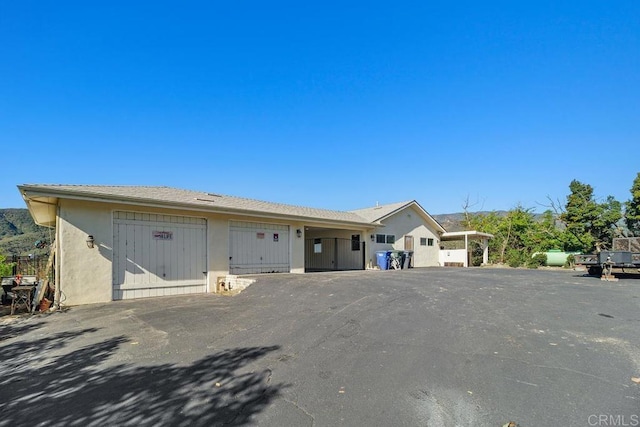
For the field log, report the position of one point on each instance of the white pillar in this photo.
(466, 250)
(485, 251)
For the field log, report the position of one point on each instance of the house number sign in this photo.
(163, 235)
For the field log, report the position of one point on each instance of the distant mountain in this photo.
(450, 222)
(453, 221)
(18, 233)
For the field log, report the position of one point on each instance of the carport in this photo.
(330, 249)
(460, 257)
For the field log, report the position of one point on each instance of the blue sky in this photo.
(336, 105)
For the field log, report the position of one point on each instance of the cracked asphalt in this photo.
(418, 347)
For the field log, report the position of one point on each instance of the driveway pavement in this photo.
(420, 347)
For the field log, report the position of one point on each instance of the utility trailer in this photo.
(624, 254)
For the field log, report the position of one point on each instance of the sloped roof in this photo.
(172, 197)
(379, 213)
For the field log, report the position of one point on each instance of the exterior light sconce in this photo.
(373, 238)
(299, 233)
(90, 241)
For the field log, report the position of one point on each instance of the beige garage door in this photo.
(258, 248)
(158, 255)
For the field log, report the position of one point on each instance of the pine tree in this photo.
(592, 223)
(632, 208)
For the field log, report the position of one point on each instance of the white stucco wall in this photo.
(408, 222)
(297, 247)
(85, 275)
(453, 255)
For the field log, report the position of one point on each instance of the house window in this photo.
(426, 242)
(355, 242)
(385, 238)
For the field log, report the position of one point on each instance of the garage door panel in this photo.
(253, 248)
(161, 252)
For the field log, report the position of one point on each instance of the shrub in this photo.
(476, 255)
(537, 260)
(571, 261)
(6, 268)
(515, 258)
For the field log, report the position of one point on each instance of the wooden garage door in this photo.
(258, 248)
(158, 255)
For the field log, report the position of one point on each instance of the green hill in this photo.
(18, 233)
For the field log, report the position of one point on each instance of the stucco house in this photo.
(122, 242)
(405, 226)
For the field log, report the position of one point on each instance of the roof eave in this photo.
(422, 211)
(43, 211)
(29, 192)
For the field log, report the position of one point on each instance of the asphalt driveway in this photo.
(436, 347)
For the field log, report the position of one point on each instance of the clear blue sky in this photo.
(336, 105)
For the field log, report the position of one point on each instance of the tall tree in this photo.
(632, 208)
(516, 234)
(546, 234)
(593, 224)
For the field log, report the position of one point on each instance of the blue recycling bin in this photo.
(382, 258)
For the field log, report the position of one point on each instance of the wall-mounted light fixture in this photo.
(299, 233)
(90, 241)
(373, 237)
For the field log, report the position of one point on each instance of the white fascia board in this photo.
(422, 212)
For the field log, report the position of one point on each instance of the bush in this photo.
(571, 262)
(516, 258)
(514, 262)
(6, 268)
(476, 255)
(537, 260)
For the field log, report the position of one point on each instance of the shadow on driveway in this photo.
(39, 388)
(12, 330)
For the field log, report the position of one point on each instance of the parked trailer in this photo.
(625, 254)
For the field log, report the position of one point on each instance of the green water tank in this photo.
(556, 257)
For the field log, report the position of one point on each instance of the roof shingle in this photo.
(196, 199)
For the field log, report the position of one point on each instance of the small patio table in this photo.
(21, 297)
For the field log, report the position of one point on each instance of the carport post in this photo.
(364, 255)
(466, 249)
(485, 251)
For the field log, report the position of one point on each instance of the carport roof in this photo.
(40, 198)
(470, 234)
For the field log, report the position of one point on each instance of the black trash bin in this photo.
(408, 256)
